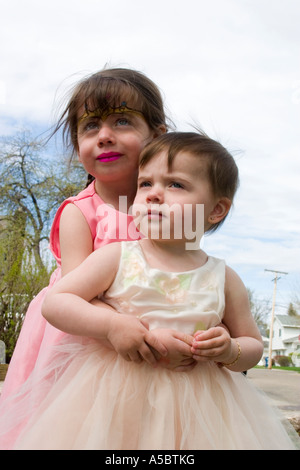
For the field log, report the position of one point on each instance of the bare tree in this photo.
(34, 182)
(260, 310)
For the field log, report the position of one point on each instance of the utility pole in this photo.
(272, 315)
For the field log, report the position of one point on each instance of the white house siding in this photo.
(286, 333)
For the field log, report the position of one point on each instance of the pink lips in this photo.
(109, 156)
(155, 214)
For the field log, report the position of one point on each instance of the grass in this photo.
(296, 369)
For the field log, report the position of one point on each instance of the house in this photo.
(286, 337)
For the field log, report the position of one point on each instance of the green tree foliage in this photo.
(33, 185)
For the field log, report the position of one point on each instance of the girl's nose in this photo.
(105, 135)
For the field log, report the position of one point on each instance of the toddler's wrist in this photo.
(235, 354)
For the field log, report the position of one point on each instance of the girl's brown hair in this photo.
(108, 89)
(221, 168)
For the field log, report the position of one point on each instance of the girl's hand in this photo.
(131, 338)
(214, 344)
(179, 357)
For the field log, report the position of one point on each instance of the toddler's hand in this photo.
(131, 338)
(179, 357)
(213, 344)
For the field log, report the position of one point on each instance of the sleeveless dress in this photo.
(91, 398)
(33, 348)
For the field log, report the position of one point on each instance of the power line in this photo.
(276, 278)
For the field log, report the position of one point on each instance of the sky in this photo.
(230, 66)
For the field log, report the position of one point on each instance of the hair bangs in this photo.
(105, 93)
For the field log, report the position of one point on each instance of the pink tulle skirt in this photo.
(93, 399)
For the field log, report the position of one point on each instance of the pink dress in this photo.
(33, 349)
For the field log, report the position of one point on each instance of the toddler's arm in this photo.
(67, 307)
(240, 347)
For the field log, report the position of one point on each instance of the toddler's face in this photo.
(172, 199)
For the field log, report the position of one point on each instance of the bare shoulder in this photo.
(236, 294)
(75, 238)
(233, 280)
(71, 213)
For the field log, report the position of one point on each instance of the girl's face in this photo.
(180, 188)
(109, 146)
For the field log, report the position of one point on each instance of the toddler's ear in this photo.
(220, 210)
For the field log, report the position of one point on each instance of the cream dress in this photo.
(91, 398)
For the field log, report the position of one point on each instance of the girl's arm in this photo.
(239, 348)
(75, 238)
(67, 307)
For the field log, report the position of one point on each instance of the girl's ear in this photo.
(220, 210)
(159, 131)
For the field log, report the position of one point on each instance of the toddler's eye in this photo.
(175, 184)
(145, 184)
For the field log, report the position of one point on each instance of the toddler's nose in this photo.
(155, 195)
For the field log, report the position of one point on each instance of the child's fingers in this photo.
(206, 334)
(144, 353)
(183, 348)
(152, 341)
(211, 338)
(134, 356)
(207, 344)
(185, 338)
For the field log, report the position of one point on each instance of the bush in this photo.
(283, 361)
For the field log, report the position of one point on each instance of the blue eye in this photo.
(175, 184)
(122, 122)
(92, 125)
(89, 125)
(145, 184)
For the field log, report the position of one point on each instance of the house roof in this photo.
(293, 339)
(288, 320)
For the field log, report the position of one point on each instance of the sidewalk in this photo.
(282, 387)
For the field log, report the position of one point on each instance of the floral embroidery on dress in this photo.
(125, 306)
(175, 289)
(132, 269)
(208, 280)
(200, 325)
